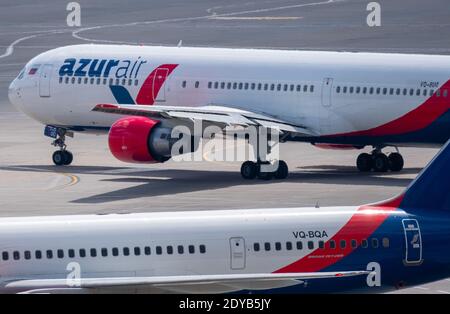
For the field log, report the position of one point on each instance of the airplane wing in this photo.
(178, 284)
(221, 116)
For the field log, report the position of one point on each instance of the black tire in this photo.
(59, 158)
(380, 163)
(364, 163)
(249, 170)
(265, 175)
(68, 158)
(396, 162)
(282, 171)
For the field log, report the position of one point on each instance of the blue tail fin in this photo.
(431, 189)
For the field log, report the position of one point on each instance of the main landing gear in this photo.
(61, 157)
(379, 162)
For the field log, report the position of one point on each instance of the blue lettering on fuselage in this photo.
(101, 67)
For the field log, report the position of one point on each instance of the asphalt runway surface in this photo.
(97, 183)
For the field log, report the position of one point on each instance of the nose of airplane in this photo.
(14, 93)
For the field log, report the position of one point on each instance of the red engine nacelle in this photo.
(129, 140)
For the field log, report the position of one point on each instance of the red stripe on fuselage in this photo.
(360, 226)
(415, 120)
(153, 83)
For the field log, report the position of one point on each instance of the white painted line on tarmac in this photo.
(9, 51)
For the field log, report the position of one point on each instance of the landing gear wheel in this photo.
(364, 162)
(249, 170)
(380, 163)
(68, 157)
(265, 175)
(59, 158)
(282, 172)
(62, 158)
(396, 162)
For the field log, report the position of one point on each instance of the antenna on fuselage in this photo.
(317, 205)
(180, 43)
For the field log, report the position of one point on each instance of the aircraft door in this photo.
(237, 253)
(44, 80)
(413, 241)
(327, 86)
(159, 88)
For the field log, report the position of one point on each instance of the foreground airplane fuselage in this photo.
(396, 248)
(342, 98)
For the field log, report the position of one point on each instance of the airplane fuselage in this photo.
(341, 97)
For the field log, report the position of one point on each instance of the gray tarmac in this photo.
(97, 183)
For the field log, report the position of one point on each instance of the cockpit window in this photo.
(34, 68)
(21, 74)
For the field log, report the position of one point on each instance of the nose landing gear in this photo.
(62, 157)
(379, 162)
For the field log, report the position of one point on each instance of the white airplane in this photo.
(337, 100)
(371, 248)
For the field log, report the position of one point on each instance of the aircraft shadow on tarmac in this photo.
(161, 182)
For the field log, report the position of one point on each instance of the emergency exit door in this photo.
(237, 253)
(327, 86)
(159, 84)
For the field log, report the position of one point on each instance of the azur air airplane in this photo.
(372, 248)
(338, 100)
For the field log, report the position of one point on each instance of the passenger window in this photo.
(445, 94)
(310, 245)
(321, 245)
(246, 86)
(438, 93)
(299, 245)
(305, 88)
(354, 244)
(364, 90)
(191, 249)
(126, 251)
(240, 85)
(425, 92)
(169, 249)
(343, 244)
(136, 82)
(222, 85)
(183, 84)
(229, 85)
(266, 86)
(115, 251)
(60, 253)
(289, 246)
(278, 246)
(418, 92)
(267, 246)
(371, 91)
(5, 256)
(124, 81)
(292, 87)
(137, 251)
(286, 87)
(130, 82)
(259, 86)
(73, 80)
(27, 254)
(180, 249)
(202, 249)
(385, 242)
(79, 80)
(234, 85)
(411, 92)
(92, 81)
(158, 250)
(216, 85)
(344, 90)
(82, 253)
(391, 91)
(67, 80)
(49, 254)
(358, 90)
(93, 252)
(385, 91)
(375, 243)
(338, 89)
(104, 252)
(99, 80)
(311, 88)
(197, 84)
(378, 90)
(147, 250)
(272, 86)
(71, 253)
(278, 87)
(332, 244)
(351, 90)
(405, 92)
(60, 79)
(16, 255)
(431, 92)
(398, 91)
(256, 247)
(299, 88)
(38, 254)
